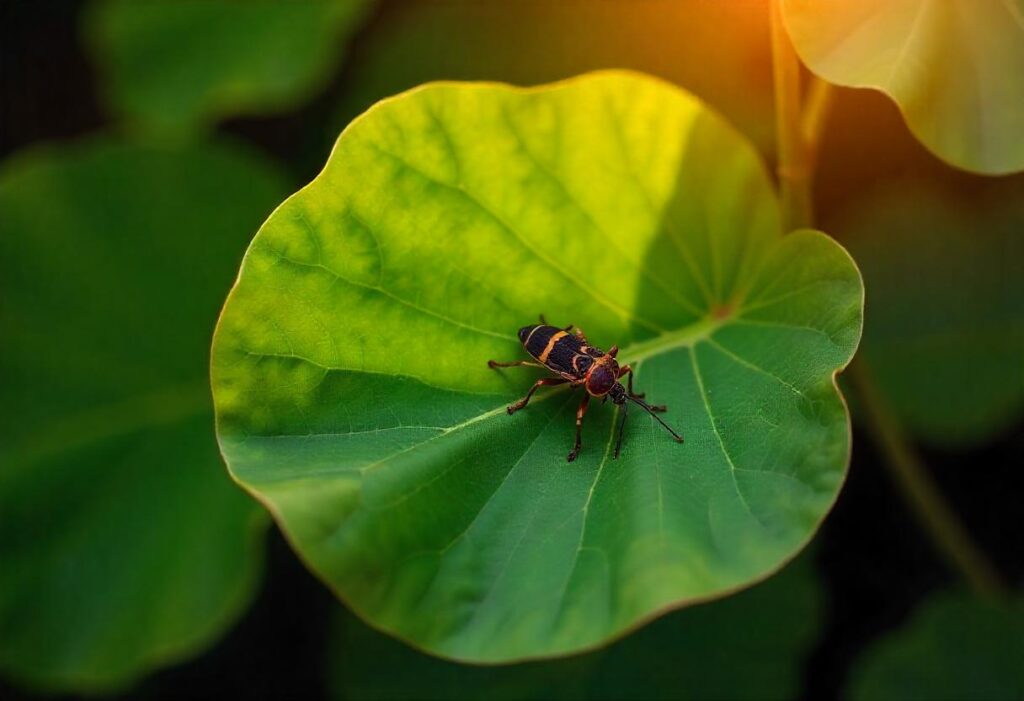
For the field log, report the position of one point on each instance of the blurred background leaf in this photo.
(717, 50)
(944, 278)
(124, 544)
(956, 68)
(749, 646)
(954, 647)
(174, 65)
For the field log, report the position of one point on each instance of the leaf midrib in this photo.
(685, 337)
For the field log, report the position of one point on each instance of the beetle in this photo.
(569, 355)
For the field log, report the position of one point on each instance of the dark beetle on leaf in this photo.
(568, 354)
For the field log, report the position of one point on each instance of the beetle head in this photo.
(617, 393)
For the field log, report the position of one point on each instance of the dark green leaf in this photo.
(945, 332)
(124, 546)
(172, 65)
(953, 648)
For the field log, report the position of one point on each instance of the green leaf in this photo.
(953, 648)
(955, 68)
(353, 394)
(691, 654)
(945, 280)
(173, 65)
(124, 546)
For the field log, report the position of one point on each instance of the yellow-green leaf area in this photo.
(954, 67)
(353, 395)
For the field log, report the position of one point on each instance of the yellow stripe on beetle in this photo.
(543, 357)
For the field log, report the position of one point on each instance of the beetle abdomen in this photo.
(564, 349)
(552, 346)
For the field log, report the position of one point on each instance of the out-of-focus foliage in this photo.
(749, 646)
(124, 545)
(953, 648)
(719, 51)
(955, 67)
(173, 65)
(945, 288)
(353, 394)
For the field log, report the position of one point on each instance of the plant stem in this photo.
(798, 132)
(816, 109)
(918, 488)
(794, 156)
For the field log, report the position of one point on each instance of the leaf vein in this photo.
(526, 530)
(681, 302)
(714, 429)
(387, 293)
(685, 255)
(583, 526)
(338, 368)
(756, 368)
(468, 196)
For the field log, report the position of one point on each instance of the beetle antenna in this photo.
(647, 408)
(622, 426)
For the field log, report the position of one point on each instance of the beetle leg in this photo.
(578, 333)
(536, 385)
(543, 320)
(513, 364)
(627, 370)
(579, 427)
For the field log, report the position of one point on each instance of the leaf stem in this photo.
(794, 164)
(911, 475)
(816, 108)
(798, 132)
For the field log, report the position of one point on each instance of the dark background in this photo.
(877, 565)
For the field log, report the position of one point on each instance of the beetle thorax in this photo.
(602, 376)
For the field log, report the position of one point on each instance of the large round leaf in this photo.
(175, 64)
(123, 545)
(765, 631)
(953, 648)
(954, 67)
(354, 398)
(945, 286)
